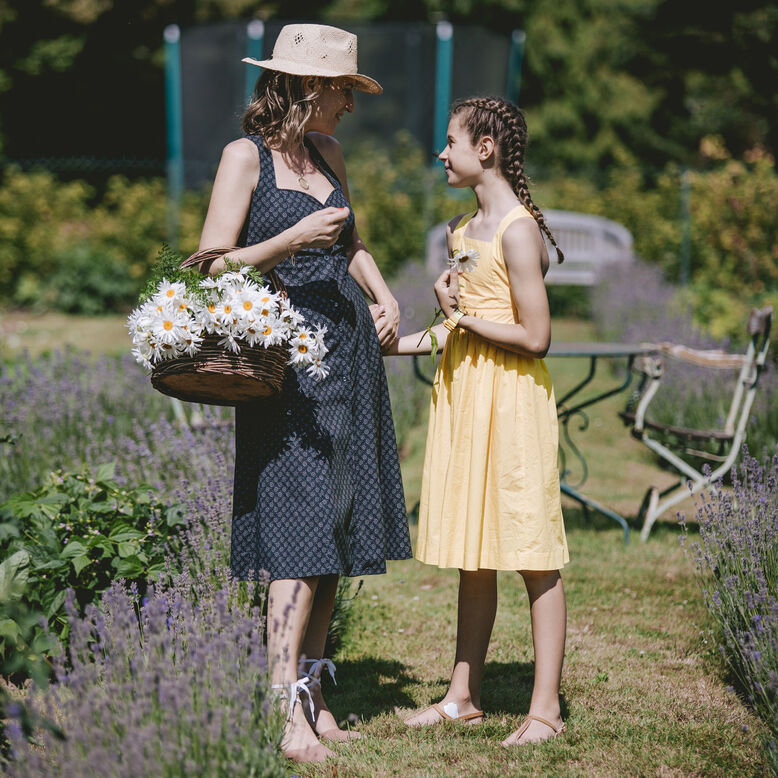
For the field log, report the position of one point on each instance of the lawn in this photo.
(644, 691)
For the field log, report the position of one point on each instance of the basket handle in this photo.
(208, 255)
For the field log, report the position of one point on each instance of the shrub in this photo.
(737, 558)
(733, 232)
(81, 531)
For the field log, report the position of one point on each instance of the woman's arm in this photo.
(523, 249)
(362, 266)
(236, 178)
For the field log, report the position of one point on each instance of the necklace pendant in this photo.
(303, 183)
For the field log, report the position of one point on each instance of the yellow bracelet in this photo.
(453, 321)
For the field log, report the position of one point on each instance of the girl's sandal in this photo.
(449, 712)
(514, 738)
(312, 676)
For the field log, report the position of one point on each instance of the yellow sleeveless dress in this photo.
(490, 491)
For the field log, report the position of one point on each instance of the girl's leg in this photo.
(288, 613)
(477, 608)
(313, 648)
(548, 613)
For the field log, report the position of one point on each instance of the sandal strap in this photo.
(316, 667)
(464, 717)
(291, 692)
(530, 716)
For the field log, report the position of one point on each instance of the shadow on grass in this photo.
(507, 689)
(368, 687)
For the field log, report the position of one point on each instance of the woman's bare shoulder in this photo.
(241, 151)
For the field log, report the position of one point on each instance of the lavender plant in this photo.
(167, 685)
(737, 558)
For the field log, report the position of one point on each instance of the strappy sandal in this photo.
(313, 677)
(449, 712)
(290, 694)
(529, 718)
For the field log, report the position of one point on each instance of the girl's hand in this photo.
(386, 318)
(318, 230)
(447, 292)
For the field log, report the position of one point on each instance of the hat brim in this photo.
(363, 83)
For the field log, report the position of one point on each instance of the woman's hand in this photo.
(447, 292)
(386, 318)
(318, 230)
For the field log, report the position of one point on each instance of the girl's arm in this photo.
(418, 342)
(362, 266)
(236, 178)
(523, 250)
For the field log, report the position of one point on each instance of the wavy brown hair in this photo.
(504, 122)
(281, 107)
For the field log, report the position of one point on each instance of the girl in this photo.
(490, 492)
(317, 479)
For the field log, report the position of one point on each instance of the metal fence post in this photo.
(515, 57)
(686, 227)
(174, 127)
(443, 66)
(255, 42)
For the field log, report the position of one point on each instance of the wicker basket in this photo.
(216, 376)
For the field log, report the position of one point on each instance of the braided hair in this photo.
(503, 121)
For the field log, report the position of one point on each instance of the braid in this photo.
(504, 122)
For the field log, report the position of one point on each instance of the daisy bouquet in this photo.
(181, 309)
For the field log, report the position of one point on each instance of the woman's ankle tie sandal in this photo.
(290, 692)
(316, 666)
(529, 718)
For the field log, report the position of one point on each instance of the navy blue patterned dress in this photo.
(317, 478)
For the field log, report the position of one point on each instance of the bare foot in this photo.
(533, 730)
(300, 742)
(455, 710)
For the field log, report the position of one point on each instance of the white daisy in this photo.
(318, 370)
(273, 332)
(300, 354)
(168, 292)
(464, 261)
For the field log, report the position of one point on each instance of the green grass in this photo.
(643, 689)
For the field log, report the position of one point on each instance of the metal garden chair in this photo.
(687, 450)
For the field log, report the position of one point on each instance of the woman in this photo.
(317, 480)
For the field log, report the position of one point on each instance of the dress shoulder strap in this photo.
(519, 212)
(322, 163)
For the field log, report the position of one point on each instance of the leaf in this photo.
(127, 549)
(14, 572)
(105, 472)
(80, 562)
(10, 629)
(55, 604)
(74, 548)
(123, 532)
(128, 568)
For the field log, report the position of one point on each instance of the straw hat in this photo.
(317, 50)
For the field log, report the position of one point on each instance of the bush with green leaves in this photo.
(81, 530)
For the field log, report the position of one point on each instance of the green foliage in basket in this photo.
(82, 531)
(168, 267)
